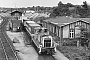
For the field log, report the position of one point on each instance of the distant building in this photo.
(66, 28)
(29, 11)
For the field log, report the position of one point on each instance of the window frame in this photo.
(71, 33)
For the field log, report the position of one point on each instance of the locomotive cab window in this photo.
(45, 30)
(47, 42)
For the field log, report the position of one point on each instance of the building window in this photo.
(53, 29)
(45, 25)
(56, 31)
(59, 33)
(50, 27)
(80, 23)
(71, 33)
(71, 26)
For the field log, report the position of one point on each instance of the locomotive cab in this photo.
(47, 41)
(48, 45)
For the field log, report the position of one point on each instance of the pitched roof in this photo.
(61, 21)
(16, 11)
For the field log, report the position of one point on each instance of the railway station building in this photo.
(15, 25)
(16, 14)
(15, 20)
(66, 28)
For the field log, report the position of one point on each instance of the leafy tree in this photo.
(84, 10)
(62, 9)
(70, 5)
(60, 4)
(85, 5)
(84, 36)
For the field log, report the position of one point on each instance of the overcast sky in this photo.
(27, 3)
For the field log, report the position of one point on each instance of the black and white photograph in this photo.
(44, 29)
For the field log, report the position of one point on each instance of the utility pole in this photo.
(15, 5)
(16, 8)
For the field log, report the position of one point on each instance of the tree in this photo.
(84, 36)
(84, 10)
(62, 9)
(70, 5)
(85, 5)
(60, 4)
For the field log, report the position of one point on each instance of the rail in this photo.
(2, 27)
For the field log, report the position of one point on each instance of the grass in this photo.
(74, 53)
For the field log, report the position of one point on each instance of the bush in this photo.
(70, 43)
(74, 53)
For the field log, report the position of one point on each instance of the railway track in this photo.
(7, 50)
